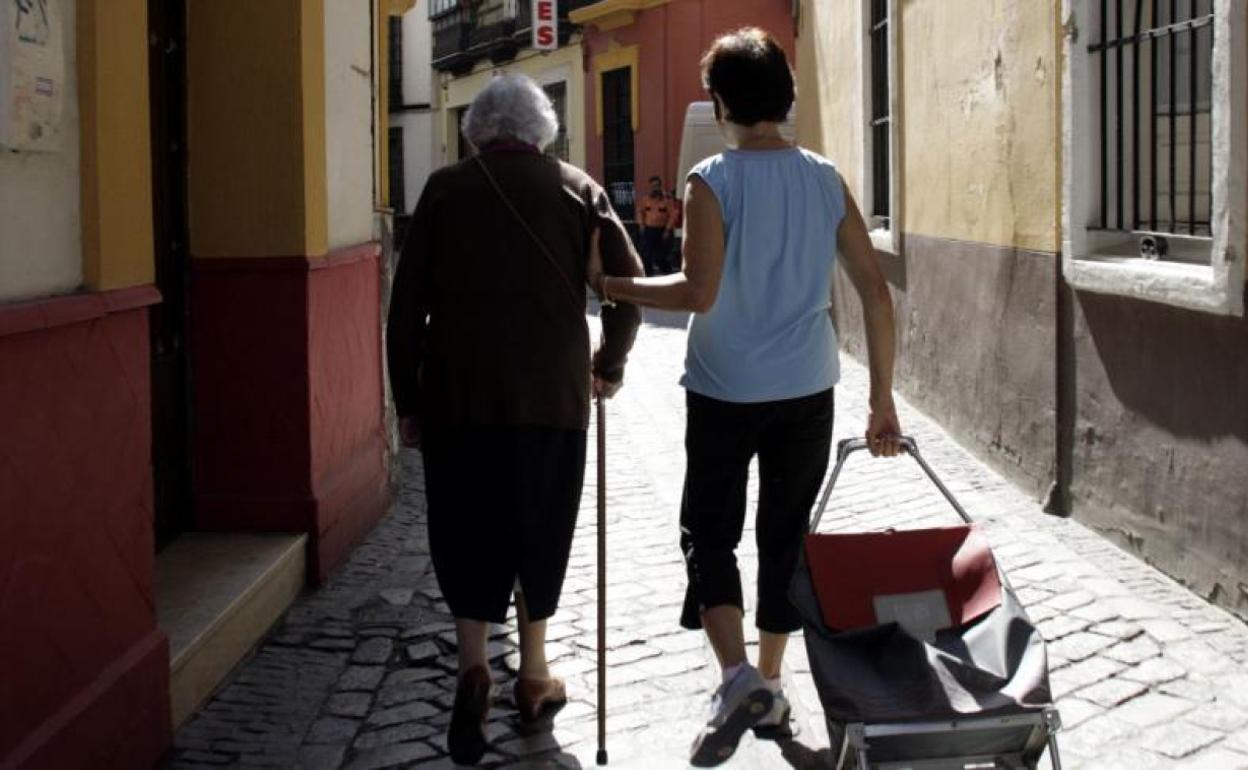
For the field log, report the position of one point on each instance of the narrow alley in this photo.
(359, 673)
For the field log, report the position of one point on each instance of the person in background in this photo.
(656, 229)
(490, 364)
(765, 225)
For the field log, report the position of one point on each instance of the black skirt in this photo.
(502, 507)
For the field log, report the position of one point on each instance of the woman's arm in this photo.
(858, 258)
(697, 285)
(612, 251)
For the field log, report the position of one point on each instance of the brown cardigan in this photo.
(483, 331)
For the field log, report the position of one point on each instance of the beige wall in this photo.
(564, 64)
(348, 122)
(829, 95)
(977, 93)
(40, 211)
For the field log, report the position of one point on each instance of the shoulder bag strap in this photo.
(577, 300)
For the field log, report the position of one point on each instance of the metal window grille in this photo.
(558, 93)
(396, 62)
(617, 140)
(438, 8)
(398, 181)
(1152, 74)
(881, 116)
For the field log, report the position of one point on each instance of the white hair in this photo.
(512, 107)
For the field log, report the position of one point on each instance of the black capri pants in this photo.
(502, 507)
(793, 441)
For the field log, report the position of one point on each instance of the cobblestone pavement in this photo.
(359, 673)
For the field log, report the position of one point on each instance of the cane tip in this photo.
(602, 756)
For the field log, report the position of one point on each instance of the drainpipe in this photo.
(1064, 373)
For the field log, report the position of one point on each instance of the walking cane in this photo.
(602, 581)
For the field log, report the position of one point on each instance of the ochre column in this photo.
(286, 348)
(116, 154)
(255, 123)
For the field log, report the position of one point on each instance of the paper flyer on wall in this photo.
(32, 75)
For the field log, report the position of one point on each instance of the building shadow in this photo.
(1182, 370)
(894, 268)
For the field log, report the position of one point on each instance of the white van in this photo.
(702, 138)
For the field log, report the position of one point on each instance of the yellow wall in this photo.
(568, 60)
(829, 97)
(116, 158)
(977, 92)
(618, 57)
(256, 126)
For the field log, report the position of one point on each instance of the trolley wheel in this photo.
(842, 757)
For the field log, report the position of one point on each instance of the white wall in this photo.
(348, 127)
(40, 205)
(417, 57)
(418, 152)
(418, 89)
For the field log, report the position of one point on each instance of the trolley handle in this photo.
(847, 447)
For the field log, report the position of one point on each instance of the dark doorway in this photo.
(617, 141)
(171, 388)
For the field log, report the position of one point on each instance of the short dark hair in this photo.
(656, 178)
(748, 70)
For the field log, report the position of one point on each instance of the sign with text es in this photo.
(545, 25)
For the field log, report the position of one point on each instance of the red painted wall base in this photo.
(120, 720)
(288, 398)
(84, 671)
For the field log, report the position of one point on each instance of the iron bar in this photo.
(1174, 149)
(1156, 32)
(1152, 126)
(1104, 118)
(1118, 111)
(1135, 121)
(1193, 88)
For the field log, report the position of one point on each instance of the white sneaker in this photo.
(737, 706)
(776, 725)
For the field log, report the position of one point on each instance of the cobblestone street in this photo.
(360, 673)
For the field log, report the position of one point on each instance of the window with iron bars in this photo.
(439, 8)
(881, 116)
(396, 62)
(1155, 180)
(1151, 66)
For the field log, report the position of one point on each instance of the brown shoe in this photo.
(466, 739)
(537, 697)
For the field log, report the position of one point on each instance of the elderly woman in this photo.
(491, 369)
(765, 223)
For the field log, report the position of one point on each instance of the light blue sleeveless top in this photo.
(769, 336)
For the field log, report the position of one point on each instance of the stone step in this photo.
(217, 594)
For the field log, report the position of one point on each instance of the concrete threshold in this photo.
(217, 594)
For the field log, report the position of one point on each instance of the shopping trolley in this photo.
(922, 655)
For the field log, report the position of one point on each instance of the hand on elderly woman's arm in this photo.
(612, 252)
(696, 287)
